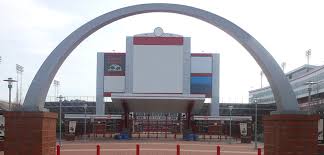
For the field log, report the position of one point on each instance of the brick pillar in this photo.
(294, 134)
(30, 133)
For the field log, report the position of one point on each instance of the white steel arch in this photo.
(284, 96)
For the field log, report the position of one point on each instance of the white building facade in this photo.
(158, 68)
(307, 82)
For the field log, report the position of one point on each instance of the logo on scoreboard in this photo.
(114, 64)
(114, 68)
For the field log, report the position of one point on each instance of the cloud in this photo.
(32, 29)
(27, 36)
(28, 24)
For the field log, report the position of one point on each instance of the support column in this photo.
(290, 134)
(214, 106)
(148, 126)
(166, 125)
(30, 133)
(188, 120)
(126, 119)
(188, 114)
(100, 104)
(126, 115)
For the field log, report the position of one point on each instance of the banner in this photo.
(243, 129)
(157, 118)
(320, 130)
(72, 125)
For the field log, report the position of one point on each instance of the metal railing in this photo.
(312, 103)
(75, 98)
(233, 99)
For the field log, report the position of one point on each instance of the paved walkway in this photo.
(155, 148)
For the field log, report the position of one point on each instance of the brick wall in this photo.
(30, 133)
(1, 145)
(290, 134)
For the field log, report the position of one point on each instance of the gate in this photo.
(156, 126)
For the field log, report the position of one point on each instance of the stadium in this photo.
(149, 98)
(160, 94)
(159, 90)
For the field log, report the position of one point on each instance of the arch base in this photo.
(40, 134)
(290, 134)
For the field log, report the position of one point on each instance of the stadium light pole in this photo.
(256, 124)
(230, 110)
(310, 84)
(283, 65)
(85, 121)
(10, 81)
(19, 70)
(308, 53)
(261, 74)
(60, 100)
(56, 84)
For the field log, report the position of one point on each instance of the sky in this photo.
(31, 29)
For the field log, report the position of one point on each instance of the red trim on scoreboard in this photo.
(158, 93)
(121, 73)
(201, 74)
(201, 54)
(107, 94)
(158, 40)
(115, 54)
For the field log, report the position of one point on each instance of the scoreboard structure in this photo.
(158, 73)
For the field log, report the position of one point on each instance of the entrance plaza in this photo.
(159, 85)
(155, 147)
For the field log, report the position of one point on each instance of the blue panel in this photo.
(201, 85)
